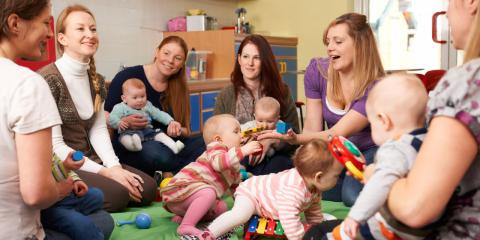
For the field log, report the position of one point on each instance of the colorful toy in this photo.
(251, 131)
(259, 226)
(282, 127)
(77, 156)
(348, 154)
(244, 174)
(142, 221)
(165, 182)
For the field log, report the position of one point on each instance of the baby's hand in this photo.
(70, 164)
(174, 129)
(251, 147)
(122, 125)
(368, 172)
(351, 227)
(80, 188)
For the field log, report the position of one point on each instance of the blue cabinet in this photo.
(202, 105)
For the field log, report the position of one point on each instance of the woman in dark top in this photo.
(166, 86)
(255, 75)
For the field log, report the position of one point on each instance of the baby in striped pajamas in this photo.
(194, 193)
(283, 196)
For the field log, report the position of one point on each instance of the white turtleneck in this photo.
(76, 77)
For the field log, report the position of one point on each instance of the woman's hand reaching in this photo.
(131, 181)
(290, 136)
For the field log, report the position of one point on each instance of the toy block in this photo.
(282, 127)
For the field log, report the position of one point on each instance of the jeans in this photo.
(101, 218)
(70, 216)
(348, 188)
(156, 156)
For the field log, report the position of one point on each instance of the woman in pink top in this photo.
(194, 193)
(283, 196)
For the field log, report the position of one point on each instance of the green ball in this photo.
(352, 148)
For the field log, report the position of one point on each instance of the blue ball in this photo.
(143, 221)
(77, 155)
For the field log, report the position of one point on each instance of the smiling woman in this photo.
(79, 92)
(336, 89)
(255, 75)
(166, 87)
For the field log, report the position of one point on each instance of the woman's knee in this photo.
(116, 198)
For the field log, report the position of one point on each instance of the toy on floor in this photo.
(142, 221)
(259, 226)
(282, 127)
(348, 154)
(77, 156)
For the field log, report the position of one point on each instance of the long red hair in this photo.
(176, 96)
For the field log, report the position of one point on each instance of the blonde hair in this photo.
(473, 45)
(132, 82)
(92, 71)
(367, 65)
(213, 126)
(268, 104)
(312, 158)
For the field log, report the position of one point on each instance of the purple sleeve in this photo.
(359, 104)
(313, 80)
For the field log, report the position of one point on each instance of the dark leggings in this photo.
(277, 163)
(116, 196)
(156, 156)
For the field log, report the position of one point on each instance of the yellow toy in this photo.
(165, 182)
(250, 131)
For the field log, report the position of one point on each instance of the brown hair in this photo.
(367, 65)
(312, 158)
(132, 82)
(270, 80)
(176, 95)
(92, 71)
(25, 9)
(473, 45)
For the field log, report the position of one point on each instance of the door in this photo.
(412, 35)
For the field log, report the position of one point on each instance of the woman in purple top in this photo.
(336, 89)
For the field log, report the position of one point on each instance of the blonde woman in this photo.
(444, 182)
(80, 92)
(337, 88)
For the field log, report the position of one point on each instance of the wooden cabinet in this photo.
(224, 45)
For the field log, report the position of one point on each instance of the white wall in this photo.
(130, 30)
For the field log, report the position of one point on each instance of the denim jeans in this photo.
(156, 156)
(348, 188)
(70, 215)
